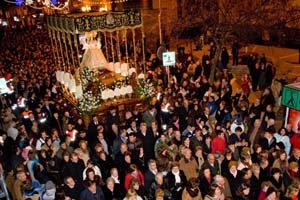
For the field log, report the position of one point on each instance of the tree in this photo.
(227, 18)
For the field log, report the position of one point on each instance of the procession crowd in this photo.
(193, 140)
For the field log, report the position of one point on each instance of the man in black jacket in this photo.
(92, 192)
(268, 142)
(148, 141)
(71, 188)
(74, 168)
(150, 173)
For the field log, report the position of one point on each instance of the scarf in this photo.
(193, 192)
(116, 179)
(177, 177)
(154, 171)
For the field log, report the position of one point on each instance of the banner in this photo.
(169, 59)
(294, 119)
(82, 23)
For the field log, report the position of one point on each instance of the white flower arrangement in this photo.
(110, 94)
(145, 88)
(123, 90)
(104, 94)
(128, 89)
(117, 92)
(89, 102)
(141, 76)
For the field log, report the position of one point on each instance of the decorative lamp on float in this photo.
(72, 85)
(66, 79)
(124, 69)
(86, 8)
(111, 66)
(62, 77)
(78, 92)
(117, 67)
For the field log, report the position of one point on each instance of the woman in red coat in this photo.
(133, 172)
(246, 85)
(218, 144)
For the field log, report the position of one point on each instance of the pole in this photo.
(286, 116)
(159, 22)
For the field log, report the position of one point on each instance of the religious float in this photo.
(100, 59)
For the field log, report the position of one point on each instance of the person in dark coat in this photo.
(212, 164)
(92, 131)
(268, 142)
(113, 117)
(71, 188)
(224, 58)
(150, 173)
(255, 76)
(235, 52)
(92, 192)
(176, 181)
(74, 168)
(158, 183)
(110, 190)
(234, 177)
(205, 180)
(148, 142)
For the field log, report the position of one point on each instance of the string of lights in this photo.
(57, 5)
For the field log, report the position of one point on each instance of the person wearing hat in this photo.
(50, 191)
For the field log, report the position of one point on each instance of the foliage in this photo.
(89, 102)
(145, 88)
(93, 90)
(91, 87)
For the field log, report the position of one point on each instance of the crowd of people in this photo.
(194, 140)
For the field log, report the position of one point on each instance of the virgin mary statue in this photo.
(93, 57)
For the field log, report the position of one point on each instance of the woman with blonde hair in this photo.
(292, 192)
(132, 195)
(136, 187)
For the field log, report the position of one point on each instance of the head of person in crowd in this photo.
(214, 191)
(243, 191)
(271, 194)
